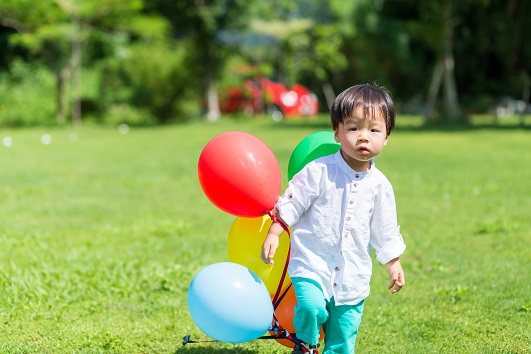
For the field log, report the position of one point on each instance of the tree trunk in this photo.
(435, 84)
(76, 73)
(213, 113)
(330, 96)
(450, 91)
(62, 77)
(526, 93)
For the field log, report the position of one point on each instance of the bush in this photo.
(122, 113)
(27, 96)
(151, 78)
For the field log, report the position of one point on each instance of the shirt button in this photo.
(355, 184)
(348, 218)
(337, 268)
(345, 234)
(335, 285)
(351, 201)
(357, 175)
(290, 195)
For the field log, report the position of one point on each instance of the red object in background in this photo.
(265, 96)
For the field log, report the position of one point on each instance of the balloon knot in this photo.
(278, 221)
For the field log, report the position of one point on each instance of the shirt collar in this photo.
(349, 171)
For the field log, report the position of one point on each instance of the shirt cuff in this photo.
(391, 251)
(287, 212)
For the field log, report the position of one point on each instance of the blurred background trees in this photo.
(153, 62)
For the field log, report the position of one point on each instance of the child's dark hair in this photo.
(368, 97)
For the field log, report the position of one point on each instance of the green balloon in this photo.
(310, 148)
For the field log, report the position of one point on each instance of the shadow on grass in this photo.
(208, 346)
(212, 346)
(202, 349)
(215, 351)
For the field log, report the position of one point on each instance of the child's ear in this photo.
(336, 136)
(386, 139)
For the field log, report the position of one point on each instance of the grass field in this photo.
(101, 234)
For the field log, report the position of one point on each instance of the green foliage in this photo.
(200, 25)
(395, 43)
(42, 12)
(346, 12)
(238, 69)
(117, 114)
(26, 96)
(313, 55)
(149, 77)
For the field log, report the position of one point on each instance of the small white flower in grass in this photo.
(7, 141)
(123, 128)
(46, 139)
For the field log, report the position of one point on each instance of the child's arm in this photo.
(396, 273)
(271, 242)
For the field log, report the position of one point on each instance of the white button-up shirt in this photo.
(336, 215)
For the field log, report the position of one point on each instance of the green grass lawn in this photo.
(101, 235)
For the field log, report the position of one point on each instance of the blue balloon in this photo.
(230, 303)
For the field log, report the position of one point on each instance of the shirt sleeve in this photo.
(303, 188)
(385, 233)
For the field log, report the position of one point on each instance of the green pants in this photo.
(340, 322)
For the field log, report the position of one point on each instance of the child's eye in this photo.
(375, 130)
(353, 129)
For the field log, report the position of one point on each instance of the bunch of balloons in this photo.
(231, 301)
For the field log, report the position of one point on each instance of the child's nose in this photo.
(363, 135)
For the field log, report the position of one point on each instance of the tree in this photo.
(306, 43)
(424, 34)
(444, 69)
(42, 33)
(57, 31)
(490, 37)
(202, 22)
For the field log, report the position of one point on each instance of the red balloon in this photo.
(240, 174)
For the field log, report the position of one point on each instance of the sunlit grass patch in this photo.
(101, 235)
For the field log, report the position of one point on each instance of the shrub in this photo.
(151, 78)
(122, 113)
(27, 96)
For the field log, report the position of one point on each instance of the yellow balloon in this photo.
(246, 236)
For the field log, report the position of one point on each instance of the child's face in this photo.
(361, 138)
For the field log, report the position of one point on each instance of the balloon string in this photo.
(285, 270)
(278, 221)
(275, 304)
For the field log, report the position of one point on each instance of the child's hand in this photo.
(269, 247)
(396, 273)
